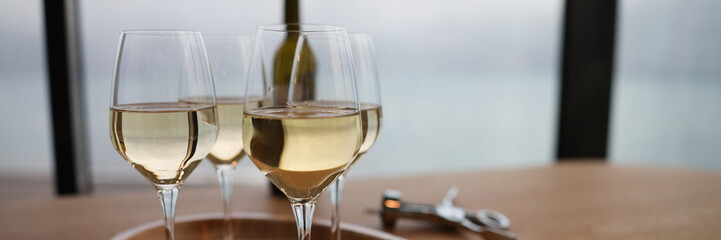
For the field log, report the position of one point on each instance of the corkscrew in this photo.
(491, 225)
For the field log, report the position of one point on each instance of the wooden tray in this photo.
(247, 226)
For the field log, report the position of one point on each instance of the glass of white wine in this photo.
(162, 109)
(309, 128)
(229, 57)
(366, 75)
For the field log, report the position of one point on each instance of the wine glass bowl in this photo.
(308, 129)
(229, 56)
(162, 108)
(368, 87)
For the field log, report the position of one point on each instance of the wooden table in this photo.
(585, 200)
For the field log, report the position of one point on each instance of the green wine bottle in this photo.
(283, 67)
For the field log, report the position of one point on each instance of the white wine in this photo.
(163, 141)
(371, 116)
(302, 150)
(228, 148)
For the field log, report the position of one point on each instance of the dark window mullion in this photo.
(66, 97)
(586, 78)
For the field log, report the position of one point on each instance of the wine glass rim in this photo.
(160, 32)
(303, 27)
(359, 35)
(208, 37)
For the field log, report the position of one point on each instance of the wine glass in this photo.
(308, 129)
(228, 56)
(162, 109)
(366, 76)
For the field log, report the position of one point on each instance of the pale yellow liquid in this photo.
(228, 148)
(371, 116)
(163, 141)
(302, 150)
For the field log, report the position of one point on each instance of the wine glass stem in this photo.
(336, 194)
(168, 194)
(226, 174)
(303, 217)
